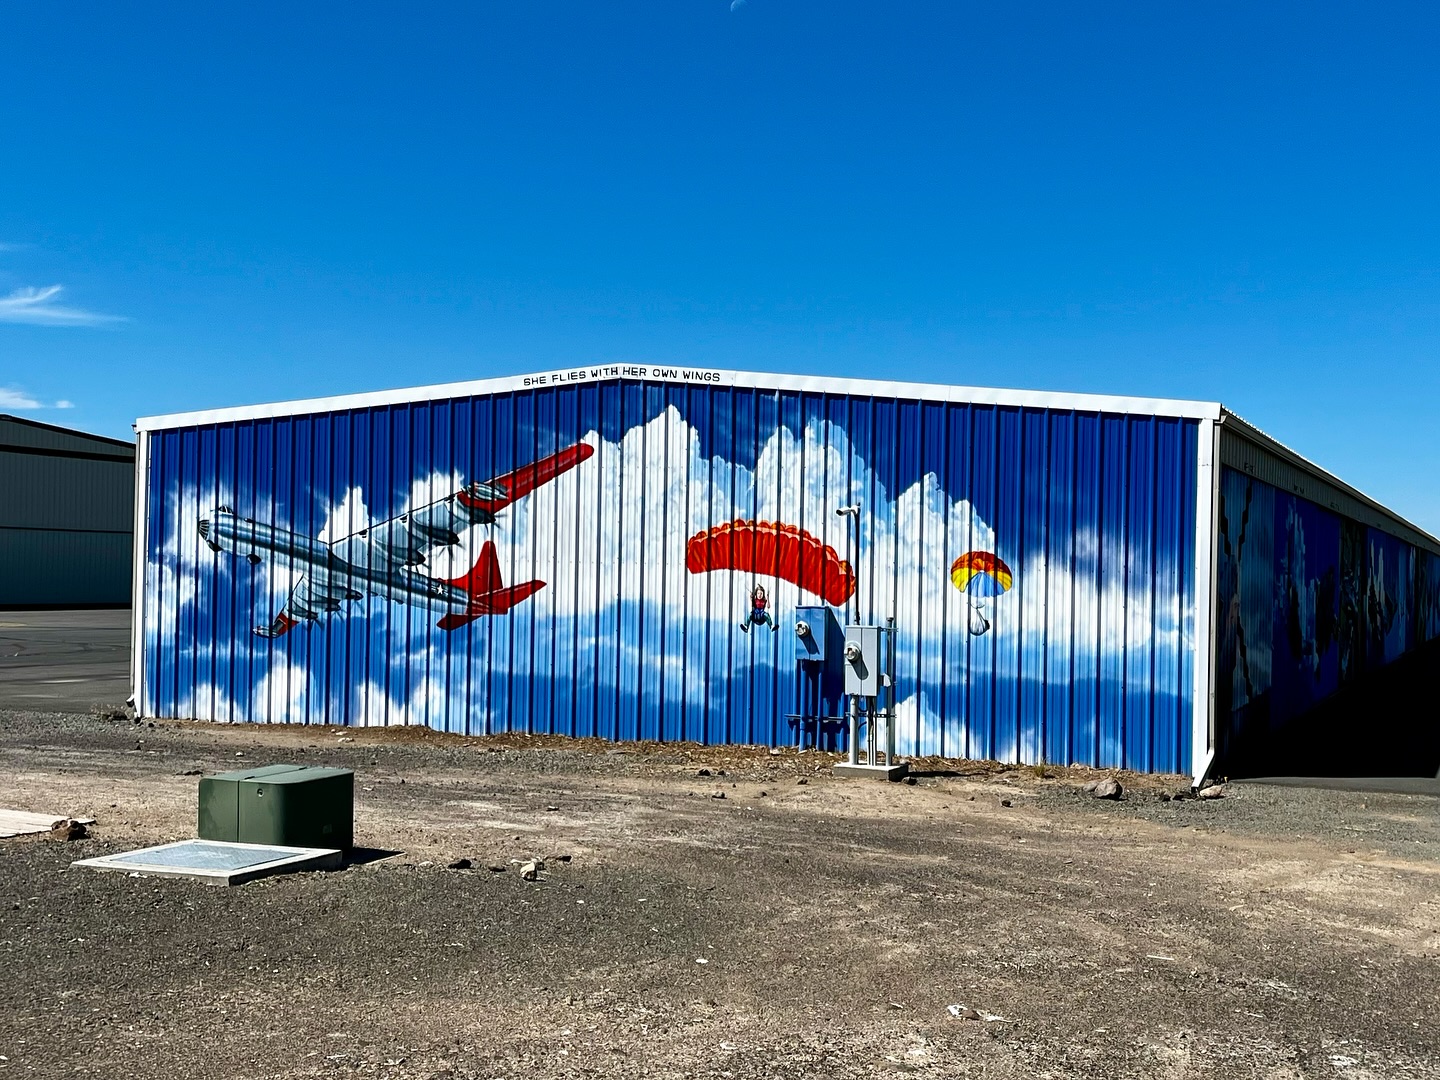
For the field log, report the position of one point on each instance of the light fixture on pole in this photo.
(853, 513)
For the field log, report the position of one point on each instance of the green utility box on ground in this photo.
(290, 805)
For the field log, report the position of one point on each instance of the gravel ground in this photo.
(800, 926)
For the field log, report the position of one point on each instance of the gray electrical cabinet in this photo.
(870, 687)
(863, 662)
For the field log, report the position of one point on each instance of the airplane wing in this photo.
(313, 595)
(403, 540)
(487, 499)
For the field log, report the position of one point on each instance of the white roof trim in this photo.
(597, 373)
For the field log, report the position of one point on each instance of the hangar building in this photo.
(621, 551)
(67, 500)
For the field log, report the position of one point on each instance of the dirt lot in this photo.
(800, 926)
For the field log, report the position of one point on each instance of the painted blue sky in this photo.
(1236, 203)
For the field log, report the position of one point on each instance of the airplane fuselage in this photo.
(252, 540)
(384, 559)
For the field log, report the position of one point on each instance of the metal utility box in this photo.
(290, 805)
(817, 634)
(819, 644)
(863, 662)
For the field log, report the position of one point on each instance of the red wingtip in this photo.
(527, 478)
(282, 625)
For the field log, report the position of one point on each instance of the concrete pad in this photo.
(219, 862)
(874, 772)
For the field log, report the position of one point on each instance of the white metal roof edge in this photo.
(1276, 447)
(700, 377)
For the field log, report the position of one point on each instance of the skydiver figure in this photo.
(758, 616)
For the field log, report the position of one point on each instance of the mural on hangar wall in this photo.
(1307, 602)
(593, 560)
(391, 559)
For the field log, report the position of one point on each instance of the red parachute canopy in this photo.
(768, 547)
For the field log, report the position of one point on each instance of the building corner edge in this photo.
(140, 541)
(1207, 498)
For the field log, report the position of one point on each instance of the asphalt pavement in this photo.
(1390, 785)
(64, 661)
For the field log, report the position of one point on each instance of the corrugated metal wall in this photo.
(1087, 657)
(1310, 602)
(66, 508)
(1238, 452)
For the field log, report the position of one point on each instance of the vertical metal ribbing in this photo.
(289, 469)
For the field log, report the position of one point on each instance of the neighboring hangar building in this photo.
(67, 501)
(627, 551)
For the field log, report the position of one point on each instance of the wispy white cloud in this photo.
(345, 518)
(12, 397)
(41, 307)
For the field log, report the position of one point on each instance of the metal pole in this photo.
(854, 729)
(852, 541)
(890, 692)
(855, 560)
(872, 718)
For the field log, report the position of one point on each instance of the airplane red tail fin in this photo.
(484, 576)
(488, 594)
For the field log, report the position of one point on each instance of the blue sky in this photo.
(1238, 203)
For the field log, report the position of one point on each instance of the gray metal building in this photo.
(67, 509)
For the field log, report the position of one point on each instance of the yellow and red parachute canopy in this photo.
(983, 571)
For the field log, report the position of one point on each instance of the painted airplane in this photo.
(385, 559)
